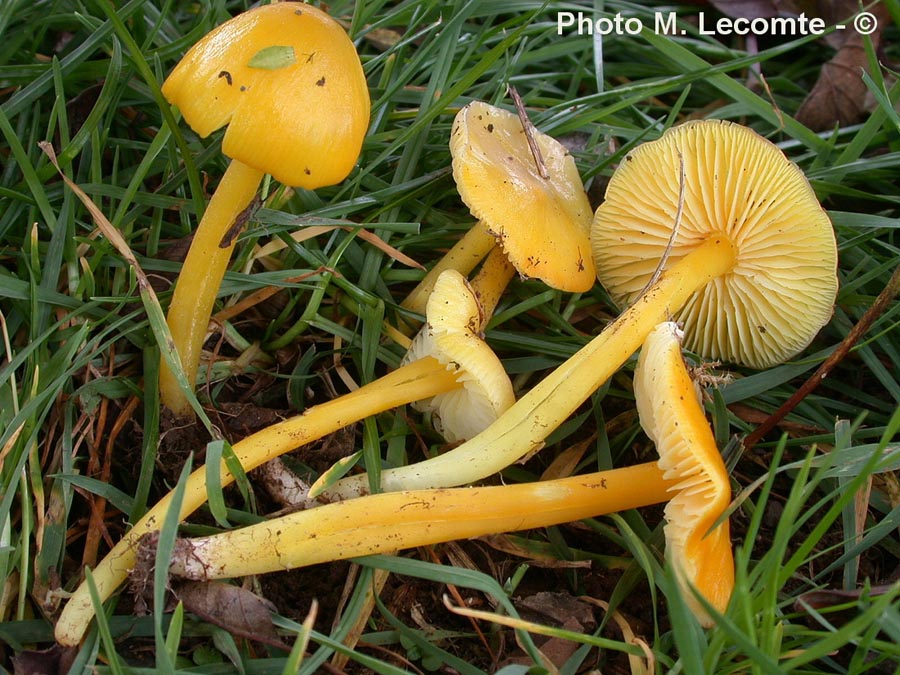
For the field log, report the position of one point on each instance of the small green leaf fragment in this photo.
(273, 58)
(337, 470)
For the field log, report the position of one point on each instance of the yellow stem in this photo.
(523, 428)
(463, 257)
(200, 278)
(388, 522)
(419, 380)
(492, 279)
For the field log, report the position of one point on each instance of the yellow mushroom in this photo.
(739, 189)
(450, 364)
(668, 404)
(531, 222)
(453, 336)
(690, 473)
(737, 184)
(287, 81)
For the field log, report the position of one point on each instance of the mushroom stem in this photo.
(388, 522)
(200, 278)
(418, 380)
(491, 280)
(463, 257)
(523, 428)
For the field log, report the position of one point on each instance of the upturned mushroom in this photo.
(533, 217)
(751, 222)
(742, 195)
(690, 473)
(286, 80)
(450, 364)
(698, 547)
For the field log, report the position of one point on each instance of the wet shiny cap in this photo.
(288, 82)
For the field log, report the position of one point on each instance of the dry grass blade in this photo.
(103, 224)
(529, 131)
(638, 666)
(148, 295)
(316, 230)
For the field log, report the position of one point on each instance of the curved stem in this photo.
(420, 379)
(492, 279)
(523, 428)
(463, 257)
(392, 521)
(200, 277)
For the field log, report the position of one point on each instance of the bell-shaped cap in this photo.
(782, 288)
(668, 403)
(452, 335)
(288, 82)
(543, 224)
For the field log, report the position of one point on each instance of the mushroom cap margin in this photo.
(668, 403)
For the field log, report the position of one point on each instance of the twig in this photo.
(529, 131)
(888, 293)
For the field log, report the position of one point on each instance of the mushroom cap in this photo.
(288, 82)
(452, 335)
(543, 224)
(782, 288)
(668, 403)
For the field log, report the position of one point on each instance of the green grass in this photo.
(79, 416)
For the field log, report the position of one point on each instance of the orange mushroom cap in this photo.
(288, 82)
(782, 287)
(543, 224)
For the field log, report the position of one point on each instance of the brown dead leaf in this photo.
(753, 9)
(638, 666)
(237, 610)
(828, 598)
(383, 39)
(557, 609)
(34, 662)
(840, 97)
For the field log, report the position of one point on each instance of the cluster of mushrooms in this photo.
(709, 236)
